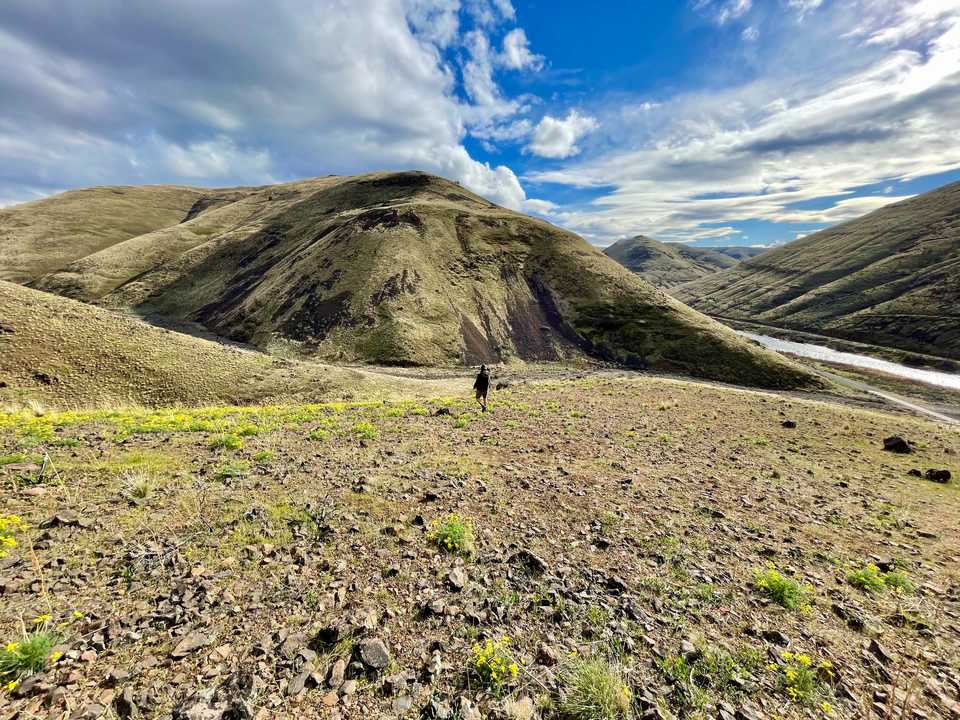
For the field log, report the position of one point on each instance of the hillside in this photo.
(68, 354)
(889, 278)
(403, 269)
(352, 560)
(667, 265)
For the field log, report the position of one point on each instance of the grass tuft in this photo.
(594, 689)
(453, 533)
(783, 590)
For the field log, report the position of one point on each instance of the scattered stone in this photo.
(938, 476)
(914, 472)
(374, 653)
(337, 671)
(789, 424)
(402, 704)
(458, 578)
(546, 655)
(878, 651)
(442, 411)
(896, 444)
(776, 637)
(532, 563)
(189, 644)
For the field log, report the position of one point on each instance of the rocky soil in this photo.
(279, 562)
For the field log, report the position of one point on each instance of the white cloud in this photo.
(118, 92)
(750, 34)
(516, 53)
(804, 7)
(554, 138)
(852, 115)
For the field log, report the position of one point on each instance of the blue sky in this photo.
(716, 122)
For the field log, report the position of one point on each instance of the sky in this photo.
(712, 122)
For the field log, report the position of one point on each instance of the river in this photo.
(819, 352)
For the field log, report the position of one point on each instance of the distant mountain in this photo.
(889, 278)
(393, 268)
(739, 252)
(667, 265)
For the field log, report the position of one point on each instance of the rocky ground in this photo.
(284, 561)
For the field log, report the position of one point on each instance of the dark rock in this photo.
(546, 655)
(939, 476)
(851, 616)
(914, 472)
(896, 444)
(776, 637)
(442, 411)
(790, 424)
(124, 704)
(616, 586)
(529, 561)
(374, 653)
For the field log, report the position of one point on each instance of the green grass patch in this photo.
(453, 533)
(226, 442)
(31, 654)
(594, 689)
(365, 430)
(873, 581)
(783, 590)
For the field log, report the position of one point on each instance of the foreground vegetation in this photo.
(595, 548)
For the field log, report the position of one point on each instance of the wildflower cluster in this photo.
(801, 679)
(783, 590)
(10, 525)
(493, 663)
(30, 655)
(453, 533)
(872, 580)
(365, 430)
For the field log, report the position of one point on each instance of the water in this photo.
(818, 352)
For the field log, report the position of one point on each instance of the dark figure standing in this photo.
(481, 385)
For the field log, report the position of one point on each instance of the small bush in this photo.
(10, 525)
(463, 420)
(11, 459)
(799, 678)
(453, 533)
(872, 580)
(493, 663)
(318, 435)
(781, 589)
(365, 430)
(246, 430)
(263, 456)
(594, 689)
(26, 657)
(226, 442)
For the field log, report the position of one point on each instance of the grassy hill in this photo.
(402, 269)
(889, 278)
(291, 560)
(667, 265)
(69, 354)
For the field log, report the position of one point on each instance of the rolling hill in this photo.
(393, 268)
(889, 278)
(667, 265)
(69, 354)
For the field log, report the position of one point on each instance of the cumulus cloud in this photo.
(116, 92)
(769, 150)
(516, 53)
(556, 138)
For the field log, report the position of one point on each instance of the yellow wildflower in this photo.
(11, 686)
(12, 646)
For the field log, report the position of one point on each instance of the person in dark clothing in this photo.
(481, 385)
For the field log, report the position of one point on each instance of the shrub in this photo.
(319, 435)
(593, 689)
(233, 470)
(453, 533)
(715, 670)
(263, 456)
(493, 663)
(799, 678)
(27, 656)
(463, 420)
(365, 430)
(872, 580)
(10, 525)
(781, 589)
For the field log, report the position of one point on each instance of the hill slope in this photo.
(406, 268)
(69, 354)
(889, 278)
(667, 265)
